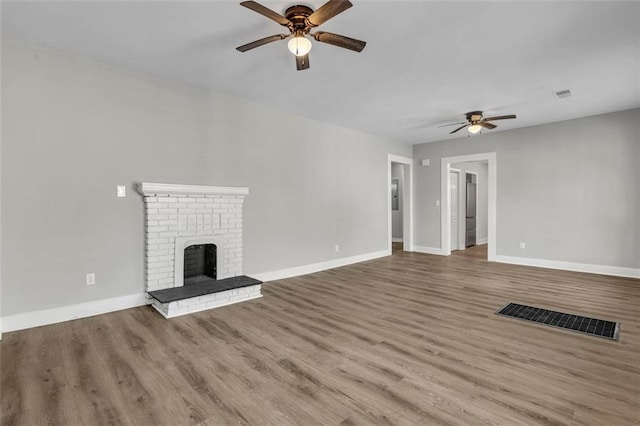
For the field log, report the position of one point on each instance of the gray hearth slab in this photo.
(200, 289)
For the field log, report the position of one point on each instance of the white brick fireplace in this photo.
(177, 216)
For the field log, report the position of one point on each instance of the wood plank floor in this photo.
(476, 252)
(407, 339)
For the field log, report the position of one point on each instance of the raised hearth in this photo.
(200, 289)
(177, 301)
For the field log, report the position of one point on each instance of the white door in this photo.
(454, 177)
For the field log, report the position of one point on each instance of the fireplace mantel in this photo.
(149, 189)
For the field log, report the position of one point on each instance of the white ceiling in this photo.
(425, 64)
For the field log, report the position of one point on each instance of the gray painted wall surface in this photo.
(482, 208)
(74, 128)
(397, 172)
(570, 190)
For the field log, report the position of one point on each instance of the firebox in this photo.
(200, 263)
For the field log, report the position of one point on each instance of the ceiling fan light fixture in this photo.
(299, 45)
(474, 128)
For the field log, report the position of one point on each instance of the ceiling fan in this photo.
(300, 20)
(475, 122)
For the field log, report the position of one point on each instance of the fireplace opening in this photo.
(199, 263)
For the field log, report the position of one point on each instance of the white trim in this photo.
(460, 244)
(427, 250)
(481, 241)
(445, 166)
(320, 266)
(618, 271)
(149, 189)
(407, 202)
(71, 312)
(183, 242)
(396, 240)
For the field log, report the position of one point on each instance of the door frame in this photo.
(445, 196)
(459, 173)
(407, 203)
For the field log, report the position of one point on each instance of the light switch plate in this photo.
(425, 162)
(121, 191)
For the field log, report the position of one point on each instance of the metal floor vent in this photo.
(586, 325)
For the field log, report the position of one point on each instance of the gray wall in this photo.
(397, 172)
(482, 208)
(74, 128)
(570, 190)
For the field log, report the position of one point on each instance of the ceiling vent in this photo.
(560, 94)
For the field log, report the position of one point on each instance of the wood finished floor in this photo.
(476, 252)
(407, 339)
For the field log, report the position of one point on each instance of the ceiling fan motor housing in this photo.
(474, 116)
(298, 15)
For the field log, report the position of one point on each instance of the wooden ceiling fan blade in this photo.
(261, 42)
(453, 124)
(265, 11)
(459, 128)
(487, 125)
(302, 62)
(340, 41)
(327, 11)
(500, 117)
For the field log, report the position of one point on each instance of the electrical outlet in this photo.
(437, 203)
(91, 279)
(121, 191)
(337, 248)
(522, 245)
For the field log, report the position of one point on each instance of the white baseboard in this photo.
(397, 240)
(570, 266)
(88, 309)
(481, 241)
(317, 267)
(71, 312)
(427, 250)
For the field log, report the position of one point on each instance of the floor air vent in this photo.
(578, 323)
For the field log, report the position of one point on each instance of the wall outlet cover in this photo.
(121, 191)
(91, 279)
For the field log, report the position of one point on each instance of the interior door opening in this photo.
(476, 219)
(471, 206)
(399, 172)
(471, 210)
(400, 203)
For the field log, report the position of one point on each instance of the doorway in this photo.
(400, 202)
(473, 221)
(449, 163)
